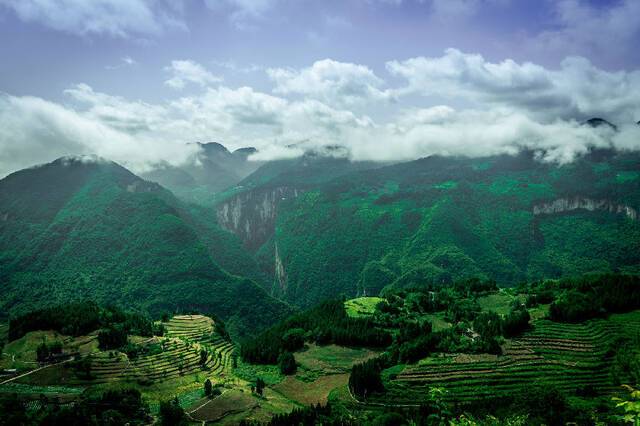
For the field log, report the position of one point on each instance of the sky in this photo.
(137, 81)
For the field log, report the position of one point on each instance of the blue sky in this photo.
(135, 80)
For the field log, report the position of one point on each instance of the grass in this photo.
(249, 372)
(331, 359)
(21, 353)
(499, 303)
(233, 401)
(315, 392)
(362, 306)
(437, 321)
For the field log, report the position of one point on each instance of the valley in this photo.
(442, 289)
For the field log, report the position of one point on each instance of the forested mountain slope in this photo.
(436, 220)
(249, 210)
(88, 228)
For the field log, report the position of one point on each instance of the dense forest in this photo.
(93, 230)
(442, 219)
(324, 324)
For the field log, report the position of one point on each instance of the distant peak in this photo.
(247, 150)
(599, 122)
(213, 147)
(81, 159)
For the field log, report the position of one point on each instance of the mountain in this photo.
(250, 209)
(211, 170)
(84, 227)
(436, 220)
(600, 122)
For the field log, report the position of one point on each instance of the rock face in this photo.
(568, 204)
(281, 274)
(252, 214)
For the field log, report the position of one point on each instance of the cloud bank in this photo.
(482, 108)
(115, 18)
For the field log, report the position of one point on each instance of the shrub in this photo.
(287, 363)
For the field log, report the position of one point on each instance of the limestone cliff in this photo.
(566, 204)
(251, 215)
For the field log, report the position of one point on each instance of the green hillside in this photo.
(436, 220)
(88, 228)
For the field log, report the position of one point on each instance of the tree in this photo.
(208, 388)
(171, 414)
(365, 378)
(629, 405)
(203, 356)
(293, 339)
(516, 322)
(287, 363)
(42, 352)
(83, 367)
(260, 384)
(112, 338)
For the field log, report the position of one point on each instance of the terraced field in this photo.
(201, 329)
(567, 356)
(186, 336)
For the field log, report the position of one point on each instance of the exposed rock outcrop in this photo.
(251, 215)
(281, 274)
(566, 204)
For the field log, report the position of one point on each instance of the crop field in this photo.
(567, 356)
(332, 359)
(174, 356)
(315, 392)
(362, 306)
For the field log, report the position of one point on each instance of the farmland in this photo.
(570, 357)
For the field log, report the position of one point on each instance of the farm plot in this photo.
(566, 356)
(176, 355)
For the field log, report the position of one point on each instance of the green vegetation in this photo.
(362, 306)
(440, 220)
(171, 413)
(324, 324)
(117, 406)
(76, 230)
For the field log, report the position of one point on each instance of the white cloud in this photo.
(186, 71)
(585, 28)
(507, 106)
(578, 89)
(335, 82)
(33, 131)
(116, 18)
(474, 133)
